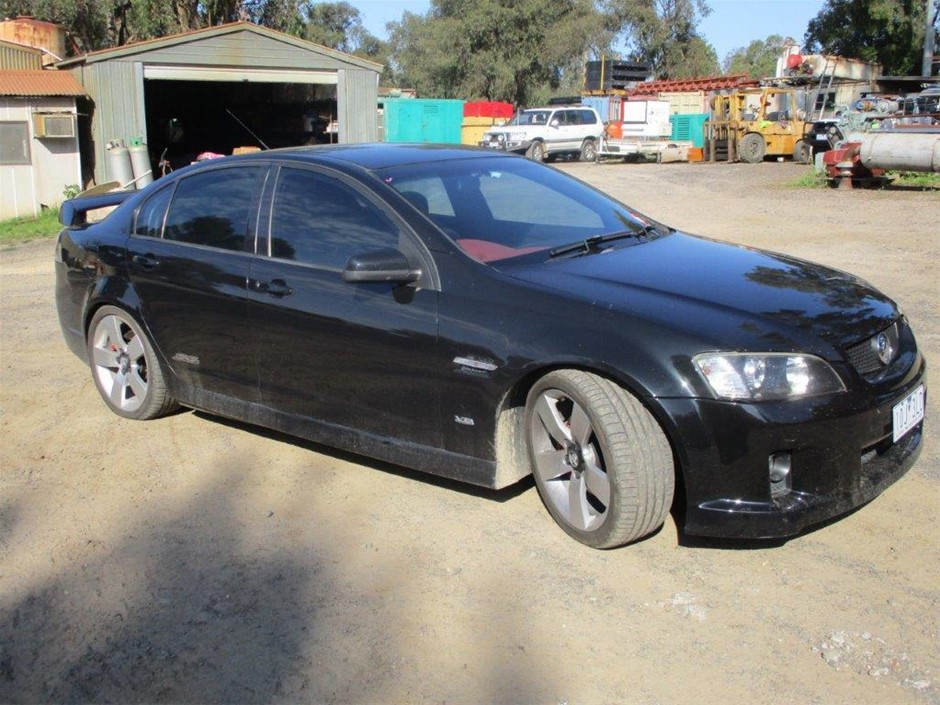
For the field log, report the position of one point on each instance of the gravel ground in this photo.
(195, 560)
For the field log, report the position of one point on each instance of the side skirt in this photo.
(434, 461)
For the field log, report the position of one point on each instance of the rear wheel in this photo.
(803, 152)
(752, 148)
(124, 366)
(536, 151)
(602, 464)
(588, 151)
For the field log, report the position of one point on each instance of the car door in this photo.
(188, 261)
(569, 130)
(359, 355)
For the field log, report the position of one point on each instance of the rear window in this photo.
(212, 208)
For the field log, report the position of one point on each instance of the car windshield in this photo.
(497, 208)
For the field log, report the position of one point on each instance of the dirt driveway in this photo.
(193, 560)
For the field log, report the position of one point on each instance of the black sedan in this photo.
(482, 317)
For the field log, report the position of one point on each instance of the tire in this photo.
(536, 151)
(588, 151)
(803, 152)
(124, 366)
(601, 462)
(752, 148)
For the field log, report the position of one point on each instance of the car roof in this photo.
(380, 155)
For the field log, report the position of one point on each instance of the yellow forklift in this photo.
(752, 123)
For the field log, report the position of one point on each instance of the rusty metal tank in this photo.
(35, 33)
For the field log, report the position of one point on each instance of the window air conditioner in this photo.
(49, 126)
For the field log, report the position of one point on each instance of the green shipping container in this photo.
(689, 128)
(423, 120)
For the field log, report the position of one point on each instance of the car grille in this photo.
(874, 354)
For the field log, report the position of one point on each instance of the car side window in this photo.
(149, 222)
(587, 117)
(212, 208)
(321, 221)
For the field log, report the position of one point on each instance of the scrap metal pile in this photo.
(879, 134)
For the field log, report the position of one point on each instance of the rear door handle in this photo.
(276, 288)
(147, 261)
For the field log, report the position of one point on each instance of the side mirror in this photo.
(554, 123)
(385, 265)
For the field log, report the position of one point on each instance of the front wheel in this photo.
(536, 152)
(602, 464)
(125, 367)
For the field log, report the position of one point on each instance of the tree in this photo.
(663, 32)
(282, 15)
(337, 25)
(99, 24)
(521, 51)
(758, 59)
(889, 32)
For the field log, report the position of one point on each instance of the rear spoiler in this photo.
(73, 211)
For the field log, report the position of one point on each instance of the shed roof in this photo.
(36, 82)
(201, 34)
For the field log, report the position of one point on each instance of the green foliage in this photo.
(758, 59)
(890, 32)
(913, 179)
(521, 51)
(809, 179)
(18, 230)
(338, 25)
(99, 24)
(664, 32)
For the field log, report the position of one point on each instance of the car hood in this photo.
(734, 295)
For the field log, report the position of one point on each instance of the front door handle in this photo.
(147, 261)
(276, 288)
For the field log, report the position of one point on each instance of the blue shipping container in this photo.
(423, 120)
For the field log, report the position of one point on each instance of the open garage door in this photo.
(190, 111)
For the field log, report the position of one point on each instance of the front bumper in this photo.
(840, 450)
(506, 145)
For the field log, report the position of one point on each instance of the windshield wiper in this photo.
(590, 245)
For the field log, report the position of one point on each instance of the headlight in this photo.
(767, 376)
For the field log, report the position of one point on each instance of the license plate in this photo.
(908, 412)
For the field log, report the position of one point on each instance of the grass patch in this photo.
(915, 179)
(20, 230)
(809, 179)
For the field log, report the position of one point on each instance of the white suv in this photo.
(544, 133)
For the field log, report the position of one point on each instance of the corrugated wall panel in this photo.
(357, 104)
(18, 59)
(238, 49)
(116, 87)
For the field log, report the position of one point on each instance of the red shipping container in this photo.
(484, 108)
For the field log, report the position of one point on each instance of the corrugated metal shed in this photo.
(235, 54)
(18, 56)
(39, 83)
